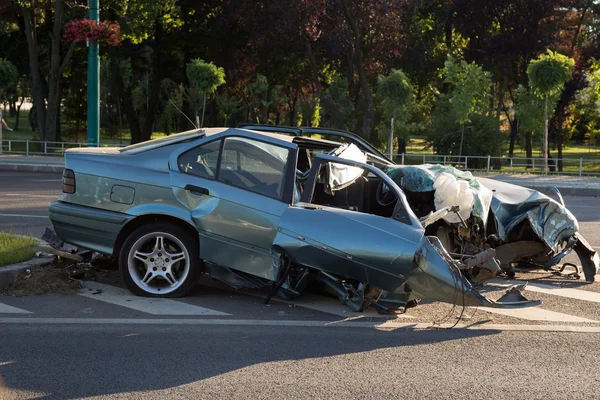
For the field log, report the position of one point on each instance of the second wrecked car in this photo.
(279, 212)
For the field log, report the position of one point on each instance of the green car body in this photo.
(242, 205)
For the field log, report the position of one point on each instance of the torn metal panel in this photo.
(436, 277)
(590, 261)
(512, 252)
(352, 296)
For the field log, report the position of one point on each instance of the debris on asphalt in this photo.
(514, 294)
(60, 253)
(52, 239)
(66, 275)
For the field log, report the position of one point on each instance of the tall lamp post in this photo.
(93, 84)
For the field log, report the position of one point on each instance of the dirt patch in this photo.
(63, 277)
(43, 280)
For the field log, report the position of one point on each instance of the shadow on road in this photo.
(69, 361)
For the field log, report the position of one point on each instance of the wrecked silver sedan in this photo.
(286, 213)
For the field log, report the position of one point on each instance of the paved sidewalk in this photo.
(568, 185)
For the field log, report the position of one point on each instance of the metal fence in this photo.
(41, 148)
(505, 164)
(481, 164)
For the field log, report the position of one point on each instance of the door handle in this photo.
(196, 189)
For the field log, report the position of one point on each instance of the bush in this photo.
(482, 135)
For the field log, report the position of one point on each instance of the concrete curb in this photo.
(31, 168)
(9, 274)
(12, 273)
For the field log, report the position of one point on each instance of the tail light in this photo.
(68, 181)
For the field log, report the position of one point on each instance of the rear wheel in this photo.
(159, 260)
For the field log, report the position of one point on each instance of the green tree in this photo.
(228, 106)
(47, 60)
(529, 109)
(397, 92)
(338, 108)
(547, 76)
(8, 79)
(311, 112)
(204, 79)
(470, 89)
(586, 107)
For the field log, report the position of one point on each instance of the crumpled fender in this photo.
(590, 261)
(436, 277)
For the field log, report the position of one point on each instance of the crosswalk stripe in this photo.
(552, 290)
(6, 309)
(536, 314)
(154, 306)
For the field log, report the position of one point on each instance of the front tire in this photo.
(159, 260)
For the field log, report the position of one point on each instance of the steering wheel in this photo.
(384, 196)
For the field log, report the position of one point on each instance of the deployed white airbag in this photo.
(341, 175)
(449, 192)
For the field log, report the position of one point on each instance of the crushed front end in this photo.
(525, 227)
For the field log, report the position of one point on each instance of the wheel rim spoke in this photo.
(175, 257)
(160, 243)
(144, 257)
(148, 277)
(170, 278)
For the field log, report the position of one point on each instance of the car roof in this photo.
(274, 135)
(233, 131)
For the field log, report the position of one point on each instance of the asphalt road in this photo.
(214, 362)
(218, 343)
(24, 200)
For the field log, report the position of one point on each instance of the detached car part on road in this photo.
(285, 211)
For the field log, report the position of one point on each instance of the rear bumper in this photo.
(87, 227)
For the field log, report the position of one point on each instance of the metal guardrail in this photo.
(487, 164)
(504, 164)
(43, 148)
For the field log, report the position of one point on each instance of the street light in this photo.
(93, 87)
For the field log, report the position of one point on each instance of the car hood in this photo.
(511, 204)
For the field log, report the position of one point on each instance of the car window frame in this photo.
(215, 178)
(402, 211)
(285, 172)
(289, 174)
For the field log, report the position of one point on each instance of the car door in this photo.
(236, 189)
(350, 243)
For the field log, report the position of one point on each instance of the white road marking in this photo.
(536, 314)
(154, 306)
(549, 289)
(43, 196)
(388, 325)
(24, 216)
(6, 309)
